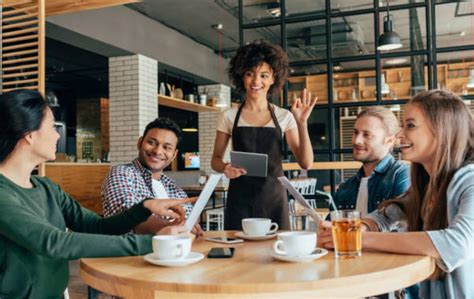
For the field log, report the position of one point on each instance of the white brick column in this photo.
(207, 136)
(208, 123)
(133, 84)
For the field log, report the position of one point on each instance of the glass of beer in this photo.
(346, 233)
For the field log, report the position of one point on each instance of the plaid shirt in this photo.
(129, 184)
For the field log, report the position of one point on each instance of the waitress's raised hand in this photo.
(302, 107)
(232, 172)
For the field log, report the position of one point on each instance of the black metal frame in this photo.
(430, 52)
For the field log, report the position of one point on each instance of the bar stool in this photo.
(215, 216)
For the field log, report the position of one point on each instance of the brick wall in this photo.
(133, 82)
(207, 136)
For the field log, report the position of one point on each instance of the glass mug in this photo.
(347, 233)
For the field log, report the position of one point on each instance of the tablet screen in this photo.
(255, 164)
(202, 200)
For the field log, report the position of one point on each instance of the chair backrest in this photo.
(308, 186)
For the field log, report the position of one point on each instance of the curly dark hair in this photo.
(253, 55)
(166, 124)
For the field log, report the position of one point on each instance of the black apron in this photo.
(251, 197)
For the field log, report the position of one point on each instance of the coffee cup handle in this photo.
(181, 251)
(271, 231)
(276, 247)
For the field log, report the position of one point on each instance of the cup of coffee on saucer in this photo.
(168, 247)
(257, 227)
(296, 244)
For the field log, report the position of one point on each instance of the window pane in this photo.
(456, 71)
(344, 5)
(354, 81)
(410, 24)
(319, 129)
(270, 34)
(305, 7)
(307, 40)
(311, 77)
(352, 35)
(454, 24)
(255, 11)
(403, 77)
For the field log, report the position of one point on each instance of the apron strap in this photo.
(274, 118)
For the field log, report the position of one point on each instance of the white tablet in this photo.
(202, 200)
(255, 164)
(300, 199)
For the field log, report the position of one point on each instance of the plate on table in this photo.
(242, 235)
(317, 253)
(193, 257)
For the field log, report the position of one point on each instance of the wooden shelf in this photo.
(184, 105)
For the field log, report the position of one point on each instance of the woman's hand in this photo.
(325, 235)
(169, 207)
(232, 172)
(302, 108)
(197, 230)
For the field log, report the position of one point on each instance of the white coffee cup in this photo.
(295, 243)
(258, 226)
(168, 247)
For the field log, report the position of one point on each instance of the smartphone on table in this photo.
(221, 252)
(225, 240)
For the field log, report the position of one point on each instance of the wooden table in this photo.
(252, 272)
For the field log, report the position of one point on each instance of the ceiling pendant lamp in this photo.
(389, 40)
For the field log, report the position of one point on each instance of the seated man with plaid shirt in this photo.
(128, 184)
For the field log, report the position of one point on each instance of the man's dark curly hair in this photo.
(166, 124)
(253, 55)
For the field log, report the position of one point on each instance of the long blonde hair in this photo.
(451, 122)
(452, 125)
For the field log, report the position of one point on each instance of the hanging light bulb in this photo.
(389, 40)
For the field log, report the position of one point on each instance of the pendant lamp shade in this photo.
(389, 40)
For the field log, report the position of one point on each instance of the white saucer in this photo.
(317, 253)
(192, 258)
(242, 235)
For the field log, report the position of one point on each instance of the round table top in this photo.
(253, 272)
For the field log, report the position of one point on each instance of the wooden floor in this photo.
(77, 288)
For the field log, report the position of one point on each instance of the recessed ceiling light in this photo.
(395, 61)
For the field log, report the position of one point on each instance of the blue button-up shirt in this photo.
(389, 179)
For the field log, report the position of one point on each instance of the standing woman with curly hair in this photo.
(259, 70)
(437, 138)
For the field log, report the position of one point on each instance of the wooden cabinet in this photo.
(361, 86)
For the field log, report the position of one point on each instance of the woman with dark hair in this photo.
(35, 212)
(437, 137)
(259, 70)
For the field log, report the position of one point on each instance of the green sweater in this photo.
(35, 247)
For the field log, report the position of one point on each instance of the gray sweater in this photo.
(455, 243)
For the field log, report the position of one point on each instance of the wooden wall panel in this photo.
(82, 181)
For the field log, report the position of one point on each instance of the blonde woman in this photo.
(437, 137)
